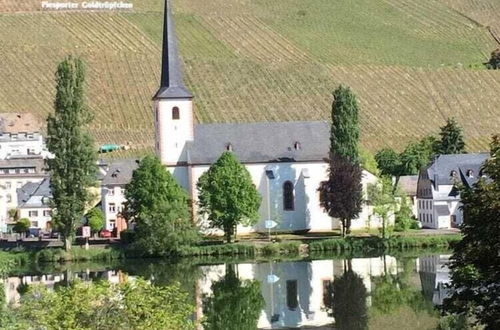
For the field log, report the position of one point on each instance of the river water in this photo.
(382, 292)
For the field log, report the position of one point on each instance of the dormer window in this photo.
(470, 173)
(229, 147)
(453, 174)
(297, 145)
(175, 113)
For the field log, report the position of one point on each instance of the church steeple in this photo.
(172, 84)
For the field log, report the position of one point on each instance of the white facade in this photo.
(306, 213)
(21, 144)
(112, 203)
(40, 217)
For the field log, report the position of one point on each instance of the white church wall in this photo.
(307, 213)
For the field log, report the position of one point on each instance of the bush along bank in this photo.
(367, 244)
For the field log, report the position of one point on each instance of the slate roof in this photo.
(22, 163)
(408, 184)
(19, 122)
(33, 194)
(120, 172)
(440, 171)
(261, 142)
(172, 84)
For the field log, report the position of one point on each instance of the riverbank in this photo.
(253, 249)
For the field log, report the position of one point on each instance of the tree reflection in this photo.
(234, 303)
(345, 299)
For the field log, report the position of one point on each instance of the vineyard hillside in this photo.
(411, 63)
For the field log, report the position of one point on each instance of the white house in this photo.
(113, 184)
(408, 185)
(438, 199)
(14, 174)
(287, 160)
(20, 135)
(34, 205)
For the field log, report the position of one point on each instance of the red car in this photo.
(106, 233)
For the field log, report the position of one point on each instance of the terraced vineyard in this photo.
(262, 60)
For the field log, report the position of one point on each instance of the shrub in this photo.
(22, 225)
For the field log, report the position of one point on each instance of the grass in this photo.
(248, 61)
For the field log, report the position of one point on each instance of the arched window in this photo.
(288, 198)
(175, 113)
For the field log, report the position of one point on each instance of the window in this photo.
(112, 207)
(470, 173)
(122, 191)
(292, 301)
(288, 198)
(297, 145)
(8, 185)
(229, 147)
(47, 213)
(33, 214)
(9, 198)
(175, 113)
(34, 223)
(111, 191)
(19, 184)
(112, 223)
(31, 170)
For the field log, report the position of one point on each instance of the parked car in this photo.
(105, 233)
(33, 232)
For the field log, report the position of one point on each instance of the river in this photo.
(382, 292)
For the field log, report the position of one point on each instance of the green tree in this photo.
(368, 161)
(341, 195)
(137, 305)
(95, 219)
(160, 208)
(234, 304)
(388, 162)
(346, 301)
(73, 168)
(452, 138)
(494, 62)
(382, 198)
(344, 133)
(475, 263)
(22, 225)
(403, 220)
(228, 196)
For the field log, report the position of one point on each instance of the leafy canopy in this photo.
(475, 263)
(159, 206)
(22, 225)
(100, 305)
(73, 168)
(341, 195)
(95, 219)
(228, 196)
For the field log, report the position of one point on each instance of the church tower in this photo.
(173, 103)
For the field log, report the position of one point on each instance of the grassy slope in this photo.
(263, 60)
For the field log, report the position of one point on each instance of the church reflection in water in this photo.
(293, 293)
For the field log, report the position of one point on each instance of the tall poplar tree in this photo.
(341, 195)
(73, 168)
(452, 138)
(344, 133)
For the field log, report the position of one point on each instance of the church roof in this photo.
(261, 142)
(172, 84)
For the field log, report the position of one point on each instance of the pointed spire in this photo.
(172, 84)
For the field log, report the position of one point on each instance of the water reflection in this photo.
(270, 295)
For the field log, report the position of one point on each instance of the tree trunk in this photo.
(343, 224)
(67, 244)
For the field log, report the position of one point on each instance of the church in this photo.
(286, 160)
